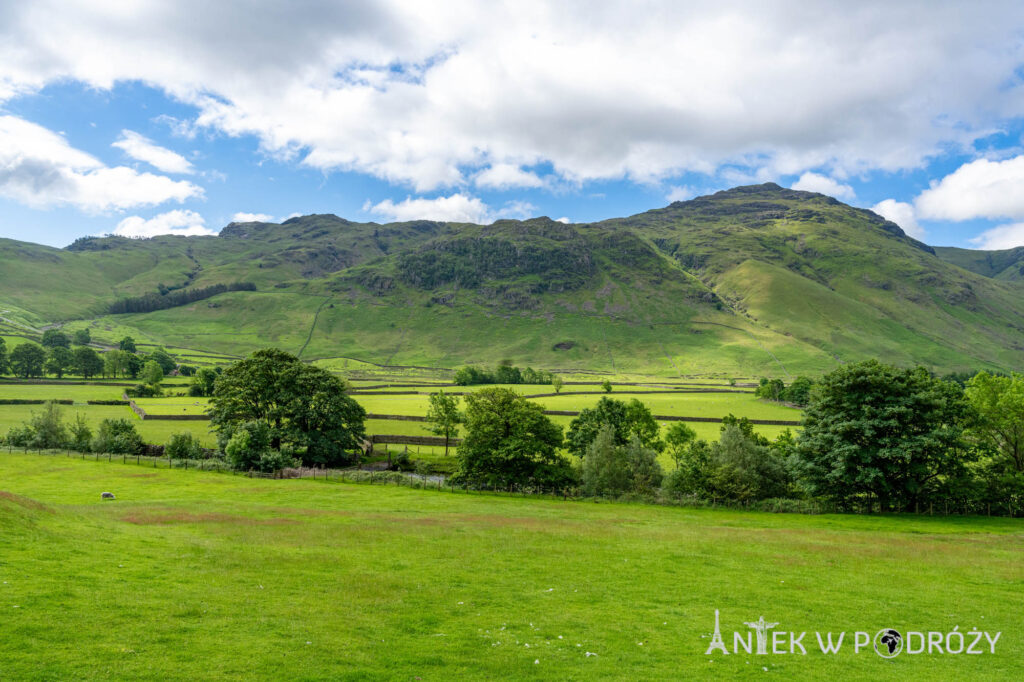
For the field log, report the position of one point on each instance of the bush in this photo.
(248, 449)
(81, 435)
(118, 436)
(183, 446)
(613, 470)
(275, 460)
(740, 468)
(19, 436)
(144, 391)
(48, 430)
(401, 461)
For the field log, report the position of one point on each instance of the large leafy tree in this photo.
(53, 338)
(443, 416)
(3, 356)
(82, 337)
(115, 362)
(162, 358)
(304, 407)
(625, 418)
(203, 382)
(999, 404)
(875, 429)
(127, 344)
(27, 360)
(510, 442)
(86, 362)
(60, 360)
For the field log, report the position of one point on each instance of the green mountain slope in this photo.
(754, 280)
(1006, 265)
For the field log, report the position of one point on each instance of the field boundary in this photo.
(575, 413)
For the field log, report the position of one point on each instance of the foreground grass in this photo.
(193, 575)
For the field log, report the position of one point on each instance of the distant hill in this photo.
(1006, 265)
(752, 280)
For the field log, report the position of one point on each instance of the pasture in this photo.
(395, 400)
(191, 575)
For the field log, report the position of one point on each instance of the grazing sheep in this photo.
(107, 496)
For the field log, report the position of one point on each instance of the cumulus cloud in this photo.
(506, 176)
(458, 208)
(243, 217)
(39, 168)
(979, 189)
(815, 182)
(1000, 237)
(901, 213)
(427, 93)
(179, 222)
(680, 193)
(564, 219)
(141, 148)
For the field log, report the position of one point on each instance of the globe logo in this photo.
(888, 643)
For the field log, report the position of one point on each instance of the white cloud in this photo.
(141, 148)
(680, 193)
(815, 182)
(506, 176)
(901, 213)
(1000, 237)
(427, 93)
(179, 222)
(243, 217)
(979, 189)
(40, 169)
(458, 208)
(563, 219)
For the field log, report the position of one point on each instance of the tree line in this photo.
(171, 298)
(876, 434)
(504, 373)
(893, 438)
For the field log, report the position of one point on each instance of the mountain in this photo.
(748, 281)
(1005, 265)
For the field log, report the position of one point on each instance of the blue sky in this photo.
(152, 118)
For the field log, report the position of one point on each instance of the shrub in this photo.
(81, 435)
(19, 436)
(183, 446)
(48, 430)
(144, 391)
(610, 469)
(740, 468)
(248, 448)
(118, 436)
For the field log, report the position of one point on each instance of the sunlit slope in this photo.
(753, 280)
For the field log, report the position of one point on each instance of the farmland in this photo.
(195, 575)
(394, 400)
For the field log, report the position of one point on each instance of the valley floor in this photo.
(191, 575)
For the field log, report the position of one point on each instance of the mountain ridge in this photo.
(804, 280)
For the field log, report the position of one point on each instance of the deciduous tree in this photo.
(443, 416)
(875, 429)
(27, 360)
(510, 442)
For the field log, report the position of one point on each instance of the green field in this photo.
(158, 431)
(192, 575)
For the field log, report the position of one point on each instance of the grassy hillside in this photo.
(1005, 265)
(751, 281)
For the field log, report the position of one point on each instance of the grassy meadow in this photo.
(191, 575)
